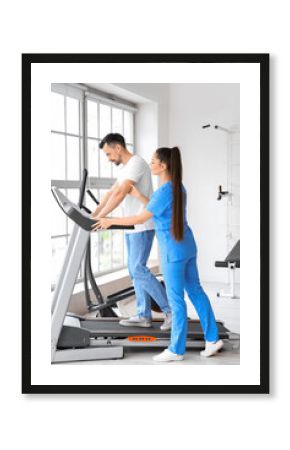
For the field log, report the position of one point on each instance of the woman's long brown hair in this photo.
(172, 158)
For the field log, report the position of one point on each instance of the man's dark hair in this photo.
(111, 139)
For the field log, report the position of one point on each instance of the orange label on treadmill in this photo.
(142, 338)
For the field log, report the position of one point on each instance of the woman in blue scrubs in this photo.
(167, 207)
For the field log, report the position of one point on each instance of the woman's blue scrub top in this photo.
(160, 205)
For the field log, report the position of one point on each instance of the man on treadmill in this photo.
(135, 171)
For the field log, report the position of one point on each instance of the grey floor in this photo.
(136, 356)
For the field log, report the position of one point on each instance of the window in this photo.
(79, 121)
(101, 120)
(66, 144)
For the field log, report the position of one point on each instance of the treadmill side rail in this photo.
(66, 282)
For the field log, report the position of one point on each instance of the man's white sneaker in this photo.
(136, 321)
(167, 322)
(211, 348)
(167, 356)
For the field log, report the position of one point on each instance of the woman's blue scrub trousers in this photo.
(180, 275)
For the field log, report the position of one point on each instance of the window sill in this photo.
(115, 277)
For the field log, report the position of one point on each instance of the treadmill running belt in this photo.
(107, 328)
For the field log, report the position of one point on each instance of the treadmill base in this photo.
(90, 353)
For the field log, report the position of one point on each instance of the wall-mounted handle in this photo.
(221, 193)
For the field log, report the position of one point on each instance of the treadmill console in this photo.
(79, 215)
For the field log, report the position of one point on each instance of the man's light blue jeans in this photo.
(145, 283)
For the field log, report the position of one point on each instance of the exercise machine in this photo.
(76, 338)
(232, 262)
(69, 340)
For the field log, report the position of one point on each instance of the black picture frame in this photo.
(263, 61)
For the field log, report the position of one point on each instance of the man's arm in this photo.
(117, 195)
(103, 201)
(137, 194)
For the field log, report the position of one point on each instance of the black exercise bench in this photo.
(231, 262)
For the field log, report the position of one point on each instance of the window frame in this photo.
(85, 94)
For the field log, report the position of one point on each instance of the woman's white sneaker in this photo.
(211, 348)
(167, 356)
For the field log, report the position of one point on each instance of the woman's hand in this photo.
(102, 224)
(137, 194)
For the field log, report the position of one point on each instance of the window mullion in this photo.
(82, 152)
(63, 133)
(99, 173)
(65, 165)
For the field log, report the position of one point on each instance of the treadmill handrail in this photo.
(78, 215)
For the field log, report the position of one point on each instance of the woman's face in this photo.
(156, 166)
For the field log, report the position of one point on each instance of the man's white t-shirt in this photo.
(138, 171)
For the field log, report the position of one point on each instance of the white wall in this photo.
(146, 123)
(204, 154)
(152, 97)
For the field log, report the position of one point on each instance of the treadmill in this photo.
(77, 338)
